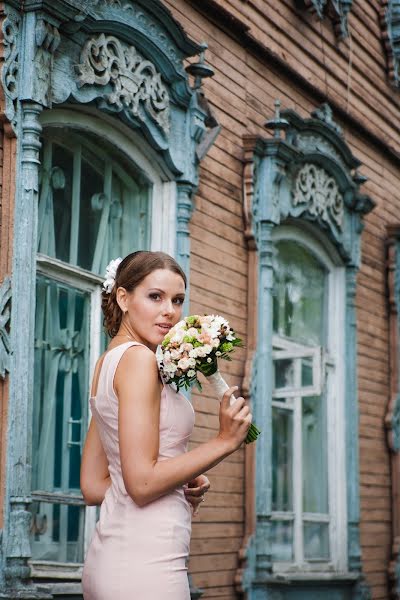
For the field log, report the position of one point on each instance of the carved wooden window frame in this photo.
(163, 235)
(271, 166)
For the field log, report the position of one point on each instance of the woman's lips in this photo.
(163, 328)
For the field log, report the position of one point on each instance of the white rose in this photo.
(170, 368)
(184, 364)
(191, 373)
(192, 332)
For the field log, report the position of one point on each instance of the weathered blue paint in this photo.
(5, 347)
(337, 10)
(390, 21)
(277, 164)
(46, 48)
(396, 412)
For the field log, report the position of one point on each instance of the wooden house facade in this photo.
(258, 142)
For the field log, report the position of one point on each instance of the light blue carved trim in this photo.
(18, 481)
(336, 10)
(10, 70)
(183, 216)
(396, 411)
(390, 22)
(151, 94)
(352, 425)
(330, 198)
(362, 591)
(5, 346)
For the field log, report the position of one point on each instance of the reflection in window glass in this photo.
(284, 373)
(57, 532)
(315, 472)
(282, 540)
(90, 209)
(282, 457)
(316, 541)
(299, 285)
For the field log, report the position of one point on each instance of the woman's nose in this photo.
(168, 307)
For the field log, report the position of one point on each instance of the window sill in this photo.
(55, 570)
(312, 576)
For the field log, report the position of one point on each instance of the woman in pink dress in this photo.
(135, 461)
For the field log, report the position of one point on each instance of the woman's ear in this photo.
(122, 298)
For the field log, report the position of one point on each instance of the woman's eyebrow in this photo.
(163, 292)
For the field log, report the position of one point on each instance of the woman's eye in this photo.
(154, 296)
(179, 300)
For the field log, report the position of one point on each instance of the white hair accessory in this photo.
(111, 273)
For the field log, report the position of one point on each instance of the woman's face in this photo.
(154, 306)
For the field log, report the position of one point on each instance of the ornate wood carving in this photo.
(305, 171)
(10, 28)
(390, 22)
(336, 10)
(319, 193)
(47, 40)
(5, 296)
(392, 419)
(135, 82)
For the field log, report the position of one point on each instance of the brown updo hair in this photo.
(130, 273)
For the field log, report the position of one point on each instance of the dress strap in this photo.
(114, 356)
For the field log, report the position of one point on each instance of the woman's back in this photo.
(130, 540)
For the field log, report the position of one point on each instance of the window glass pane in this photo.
(307, 372)
(284, 373)
(315, 476)
(92, 207)
(282, 535)
(57, 532)
(316, 541)
(61, 390)
(282, 456)
(299, 291)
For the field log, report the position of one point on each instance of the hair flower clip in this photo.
(110, 275)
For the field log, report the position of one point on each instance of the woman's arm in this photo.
(95, 477)
(145, 478)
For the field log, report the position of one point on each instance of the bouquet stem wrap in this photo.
(220, 386)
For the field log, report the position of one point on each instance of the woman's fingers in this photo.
(226, 398)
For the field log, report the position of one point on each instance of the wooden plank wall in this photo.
(351, 74)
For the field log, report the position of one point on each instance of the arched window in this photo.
(94, 205)
(307, 403)
(303, 211)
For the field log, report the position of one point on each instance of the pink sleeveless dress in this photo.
(139, 553)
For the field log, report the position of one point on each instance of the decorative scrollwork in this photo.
(337, 10)
(390, 22)
(10, 70)
(319, 192)
(5, 295)
(135, 80)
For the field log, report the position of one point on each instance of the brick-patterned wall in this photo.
(352, 77)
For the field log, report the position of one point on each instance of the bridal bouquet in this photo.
(195, 344)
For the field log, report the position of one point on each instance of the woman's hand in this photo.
(234, 419)
(195, 490)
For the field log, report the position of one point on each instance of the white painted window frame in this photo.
(331, 363)
(163, 195)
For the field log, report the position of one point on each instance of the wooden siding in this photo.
(352, 77)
